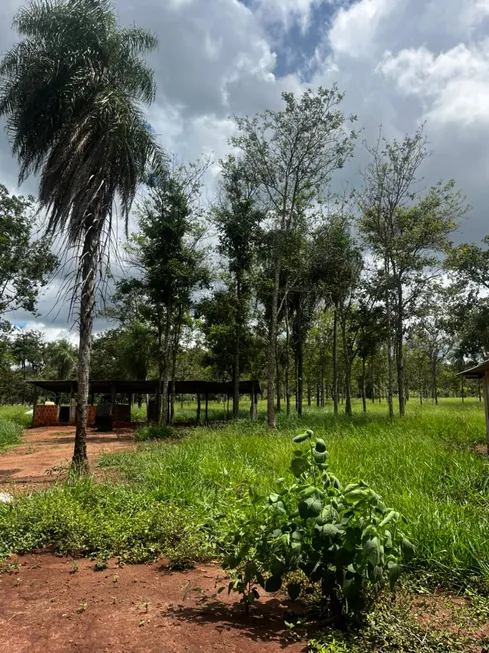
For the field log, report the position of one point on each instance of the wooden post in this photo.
(485, 383)
(254, 402)
(112, 410)
(72, 407)
(207, 408)
(198, 408)
(34, 405)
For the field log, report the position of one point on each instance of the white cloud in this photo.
(453, 85)
(354, 29)
(286, 11)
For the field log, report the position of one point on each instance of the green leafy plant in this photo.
(156, 432)
(344, 539)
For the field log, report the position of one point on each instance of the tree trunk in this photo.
(348, 410)
(400, 353)
(89, 263)
(434, 380)
(278, 386)
(462, 392)
(173, 384)
(164, 370)
(272, 344)
(364, 388)
(237, 343)
(390, 366)
(335, 359)
(348, 359)
(300, 360)
(287, 360)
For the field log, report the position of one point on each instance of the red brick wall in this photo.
(92, 410)
(45, 415)
(122, 413)
(49, 415)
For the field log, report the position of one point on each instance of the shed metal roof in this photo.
(476, 372)
(148, 387)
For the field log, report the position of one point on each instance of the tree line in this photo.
(313, 292)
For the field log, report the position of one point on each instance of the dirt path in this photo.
(48, 606)
(45, 454)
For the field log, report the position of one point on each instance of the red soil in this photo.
(47, 605)
(45, 454)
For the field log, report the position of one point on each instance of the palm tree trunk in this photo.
(89, 263)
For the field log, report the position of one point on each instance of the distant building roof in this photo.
(149, 387)
(476, 372)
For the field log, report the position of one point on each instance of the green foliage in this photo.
(392, 625)
(344, 539)
(10, 433)
(25, 262)
(424, 465)
(99, 520)
(156, 432)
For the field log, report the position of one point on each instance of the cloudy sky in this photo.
(400, 62)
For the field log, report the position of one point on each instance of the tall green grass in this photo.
(13, 420)
(424, 465)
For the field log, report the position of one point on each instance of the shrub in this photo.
(85, 518)
(156, 432)
(344, 540)
(10, 433)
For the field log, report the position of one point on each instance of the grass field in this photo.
(424, 465)
(13, 421)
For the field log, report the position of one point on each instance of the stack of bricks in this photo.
(45, 415)
(92, 411)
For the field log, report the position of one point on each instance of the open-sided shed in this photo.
(481, 372)
(50, 415)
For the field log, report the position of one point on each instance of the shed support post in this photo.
(485, 383)
(198, 408)
(112, 410)
(34, 405)
(72, 406)
(207, 408)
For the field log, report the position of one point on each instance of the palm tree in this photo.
(71, 92)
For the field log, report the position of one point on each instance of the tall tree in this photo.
(336, 266)
(405, 228)
(25, 261)
(71, 92)
(290, 155)
(238, 221)
(167, 263)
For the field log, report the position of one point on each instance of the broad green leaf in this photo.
(293, 590)
(319, 457)
(320, 446)
(371, 551)
(394, 571)
(356, 495)
(310, 507)
(302, 437)
(299, 466)
(392, 516)
(273, 584)
(329, 530)
(408, 548)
